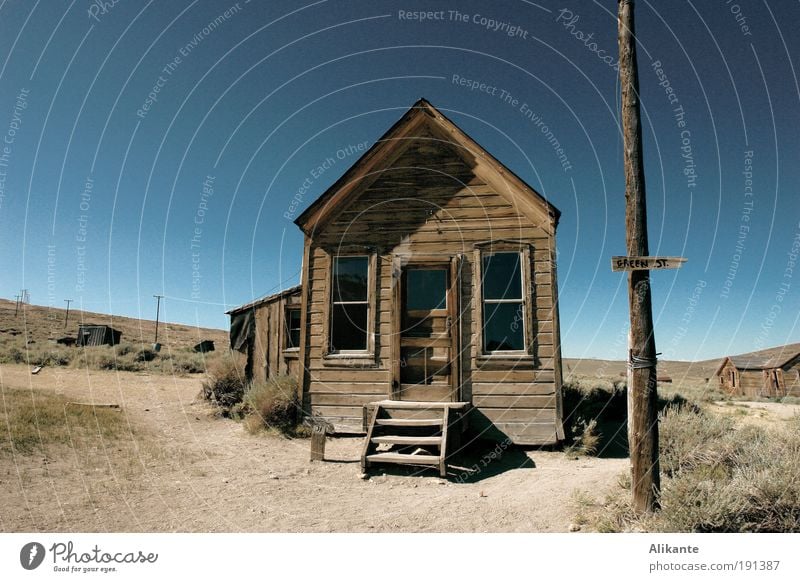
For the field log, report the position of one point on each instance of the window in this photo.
(349, 304)
(503, 302)
(426, 289)
(292, 329)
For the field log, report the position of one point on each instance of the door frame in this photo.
(453, 265)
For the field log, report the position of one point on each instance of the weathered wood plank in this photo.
(512, 388)
(521, 433)
(345, 399)
(502, 376)
(532, 415)
(516, 401)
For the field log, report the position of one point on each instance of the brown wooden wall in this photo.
(767, 383)
(433, 201)
(270, 355)
(791, 378)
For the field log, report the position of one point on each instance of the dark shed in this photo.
(204, 346)
(97, 335)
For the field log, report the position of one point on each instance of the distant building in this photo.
(97, 335)
(755, 376)
(204, 346)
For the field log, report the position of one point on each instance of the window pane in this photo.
(503, 327)
(349, 327)
(426, 289)
(293, 328)
(350, 279)
(501, 276)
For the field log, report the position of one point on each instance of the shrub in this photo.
(586, 439)
(718, 477)
(144, 355)
(272, 405)
(225, 383)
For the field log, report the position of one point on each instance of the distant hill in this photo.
(36, 323)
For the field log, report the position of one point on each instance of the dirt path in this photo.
(194, 472)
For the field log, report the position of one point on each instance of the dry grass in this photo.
(125, 357)
(30, 338)
(99, 447)
(272, 405)
(717, 476)
(33, 421)
(225, 384)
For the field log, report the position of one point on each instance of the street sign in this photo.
(646, 263)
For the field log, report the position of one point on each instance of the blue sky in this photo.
(157, 147)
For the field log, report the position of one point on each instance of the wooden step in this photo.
(407, 440)
(402, 459)
(409, 421)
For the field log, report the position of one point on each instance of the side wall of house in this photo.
(752, 383)
(724, 378)
(791, 378)
(442, 211)
(270, 354)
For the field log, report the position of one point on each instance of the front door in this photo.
(427, 369)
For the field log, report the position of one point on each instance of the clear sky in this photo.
(157, 147)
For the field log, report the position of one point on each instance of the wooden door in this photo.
(426, 343)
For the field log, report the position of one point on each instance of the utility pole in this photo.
(158, 309)
(16, 305)
(66, 317)
(642, 387)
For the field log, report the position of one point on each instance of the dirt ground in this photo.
(188, 471)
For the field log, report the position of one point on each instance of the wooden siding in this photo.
(437, 199)
(754, 383)
(791, 378)
(270, 354)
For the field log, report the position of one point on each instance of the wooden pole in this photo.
(66, 316)
(16, 305)
(642, 389)
(158, 309)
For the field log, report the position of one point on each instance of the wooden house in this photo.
(428, 293)
(755, 376)
(97, 335)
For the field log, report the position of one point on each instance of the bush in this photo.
(272, 405)
(225, 383)
(144, 355)
(718, 477)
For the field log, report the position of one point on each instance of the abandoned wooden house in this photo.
(97, 335)
(754, 376)
(428, 300)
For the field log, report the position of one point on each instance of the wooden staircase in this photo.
(418, 433)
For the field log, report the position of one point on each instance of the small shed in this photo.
(204, 346)
(268, 331)
(97, 335)
(757, 376)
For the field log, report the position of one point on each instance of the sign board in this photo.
(646, 263)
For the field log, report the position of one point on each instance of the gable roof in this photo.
(756, 362)
(388, 147)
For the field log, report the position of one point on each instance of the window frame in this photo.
(360, 357)
(491, 248)
(288, 329)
